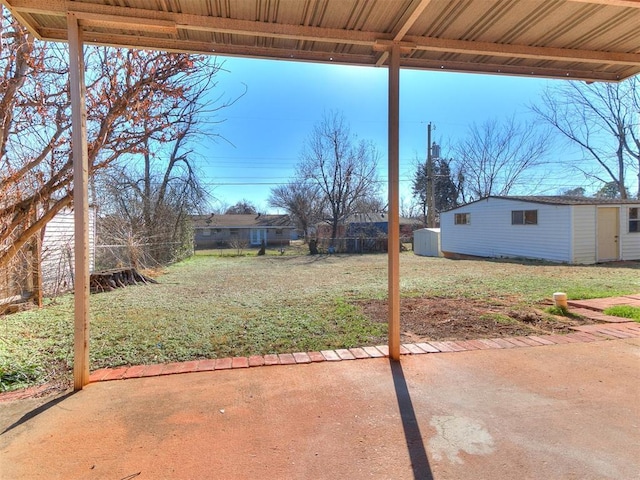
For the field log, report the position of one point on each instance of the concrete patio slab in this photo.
(567, 411)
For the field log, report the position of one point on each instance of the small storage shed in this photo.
(576, 230)
(57, 255)
(426, 242)
(44, 267)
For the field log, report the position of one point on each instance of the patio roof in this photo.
(571, 39)
(574, 39)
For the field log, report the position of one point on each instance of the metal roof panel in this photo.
(578, 39)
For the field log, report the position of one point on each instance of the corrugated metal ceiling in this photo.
(577, 39)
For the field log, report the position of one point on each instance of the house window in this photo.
(634, 220)
(462, 219)
(524, 217)
(206, 232)
(234, 232)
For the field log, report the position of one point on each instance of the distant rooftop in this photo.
(375, 218)
(241, 221)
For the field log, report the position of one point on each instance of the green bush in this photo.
(556, 310)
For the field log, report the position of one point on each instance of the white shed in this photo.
(57, 257)
(426, 242)
(576, 230)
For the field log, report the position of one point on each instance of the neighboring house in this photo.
(365, 232)
(366, 225)
(214, 231)
(576, 230)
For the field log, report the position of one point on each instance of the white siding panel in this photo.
(629, 241)
(491, 234)
(58, 252)
(584, 234)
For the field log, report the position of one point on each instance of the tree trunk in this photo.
(108, 280)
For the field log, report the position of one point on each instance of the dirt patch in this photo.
(424, 319)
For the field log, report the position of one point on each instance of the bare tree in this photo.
(155, 191)
(496, 158)
(302, 200)
(340, 166)
(243, 206)
(131, 97)
(609, 190)
(370, 204)
(410, 208)
(603, 119)
(574, 192)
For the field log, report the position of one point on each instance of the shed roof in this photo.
(569, 200)
(241, 221)
(558, 200)
(575, 39)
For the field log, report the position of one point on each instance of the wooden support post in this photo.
(36, 274)
(80, 203)
(394, 203)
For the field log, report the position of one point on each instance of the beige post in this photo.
(560, 300)
(80, 203)
(394, 203)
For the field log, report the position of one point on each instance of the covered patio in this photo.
(592, 40)
(480, 414)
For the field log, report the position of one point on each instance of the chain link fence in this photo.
(140, 255)
(377, 244)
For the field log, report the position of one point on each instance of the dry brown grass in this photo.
(212, 306)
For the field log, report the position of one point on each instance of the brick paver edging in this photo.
(586, 333)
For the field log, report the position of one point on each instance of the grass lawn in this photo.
(625, 311)
(216, 306)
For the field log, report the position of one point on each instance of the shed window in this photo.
(279, 232)
(234, 232)
(206, 232)
(524, 217)
(634, 220)
(462, 219)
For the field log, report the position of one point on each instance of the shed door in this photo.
(608, 233)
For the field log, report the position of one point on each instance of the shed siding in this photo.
(57, 252)
(491, 234)
(426, 242)
(584, 234)
(629, 241)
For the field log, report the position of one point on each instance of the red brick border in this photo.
(582, 334)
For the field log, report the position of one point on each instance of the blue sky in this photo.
(267, 127)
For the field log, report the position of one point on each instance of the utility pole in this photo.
(431, 211)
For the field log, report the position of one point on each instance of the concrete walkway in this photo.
(593, 308)
(560, 411)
